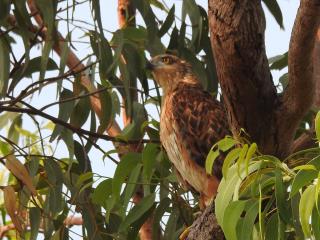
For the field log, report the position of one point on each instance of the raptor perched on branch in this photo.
(191, 122)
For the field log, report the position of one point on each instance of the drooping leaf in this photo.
(131, 185)
(231, 217)
(55, 179)
(275, 10)
(295, 215)
(47, 11)
(124, 168)
(13, 133)
(172, 224)
(230, 158)
(65, 111)
(304, 177)
(137, 211)
(20, 172)
(80, 112)
(168, 22)
(280, 197)
(35, 218)
(306, 205)
(279, 62)
(212, 156)
(10, 201)
(249, 220)
(102, 192)
(315, 219)
(149, 155)
(158, 214)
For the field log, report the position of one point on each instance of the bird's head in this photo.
(168, 70)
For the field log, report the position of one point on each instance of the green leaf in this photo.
(35, 217)
(82, 157)
(131, 185)
(228, 187)
(171, 226)
(34, 66)
(158, 214)
(279, 62)
(249, 220)
(45, 58)
(242, 156)
(305, 209)
(55, 178)
(304, 177)
(168, 22)
(271, 228)
(212, 156)
(230, 158)
(315, 220)
(149, 156)
(4, 65)
(13, 133)
(64, 54)
(80, 112)
(102, 192)
(191, 8)
(231, 218)
(124, 168)
(97, 14)
(225, 193)
(47, 11)
(226, 144)
(280, 197)
(294, 201)
(133, 131)
(137, 211)
(251, 151)
(65, 111)
(275, 10)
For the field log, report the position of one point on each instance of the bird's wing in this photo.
(201, 122)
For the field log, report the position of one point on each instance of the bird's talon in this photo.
(184, 234)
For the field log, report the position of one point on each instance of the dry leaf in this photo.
(10, 205)
(20, 172)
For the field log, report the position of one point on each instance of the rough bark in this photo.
(237, 37)
(206, 227)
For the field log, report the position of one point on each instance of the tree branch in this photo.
(298, 96)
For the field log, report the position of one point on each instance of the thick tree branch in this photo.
(298, 97)
(307, 140)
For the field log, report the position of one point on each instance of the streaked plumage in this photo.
(191, 122)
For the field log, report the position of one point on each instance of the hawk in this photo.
(191, 122)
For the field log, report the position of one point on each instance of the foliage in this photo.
(42, 188)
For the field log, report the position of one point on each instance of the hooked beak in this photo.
(149, 66)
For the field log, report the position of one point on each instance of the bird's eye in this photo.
(166, 60)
